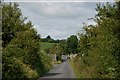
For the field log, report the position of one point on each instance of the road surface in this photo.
(62, 70)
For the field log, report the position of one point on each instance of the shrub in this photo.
(22, 56)
(99, 45)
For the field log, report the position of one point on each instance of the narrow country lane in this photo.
(62, 70)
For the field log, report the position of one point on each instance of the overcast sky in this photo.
(58, 19)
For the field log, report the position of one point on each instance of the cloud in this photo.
(56, 9)
(58, 19)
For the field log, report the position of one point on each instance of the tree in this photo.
(48, 37)
(101, 43)
(72, 44)
(22, 56)
(12, 22)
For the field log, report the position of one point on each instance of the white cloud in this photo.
(60, 20)
(56, 9)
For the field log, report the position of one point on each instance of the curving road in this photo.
(62, 70)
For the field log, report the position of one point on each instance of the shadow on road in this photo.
(51, 74)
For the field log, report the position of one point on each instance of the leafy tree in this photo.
(12, 22)
(22, 56)
(48, 37)
(58, 49)
(99, 46)
(72, 44)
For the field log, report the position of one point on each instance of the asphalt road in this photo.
(62, 70)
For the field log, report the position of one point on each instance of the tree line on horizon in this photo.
(50, 40)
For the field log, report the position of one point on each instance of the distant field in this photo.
(46, 45)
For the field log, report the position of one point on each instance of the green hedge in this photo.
(21, 51)
(22, 58)
(99, 47)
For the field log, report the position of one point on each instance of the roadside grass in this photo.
(87, 67)
(71, 62)
(82, 69)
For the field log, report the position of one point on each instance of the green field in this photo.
(46, 45)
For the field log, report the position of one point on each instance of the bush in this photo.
(24, 53)
(100, 46)
(22, 56)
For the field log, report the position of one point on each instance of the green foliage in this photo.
(26, 49)
(54, 49)
(12, 22)
(99, 46)
(46, 61)
(22, 56)
(58, 49)
(62, 47)
(72, 44)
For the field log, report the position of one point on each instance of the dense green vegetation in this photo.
(21, 51)
(65, 47)
(72, 44)
(100, 45)
(50, 40)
